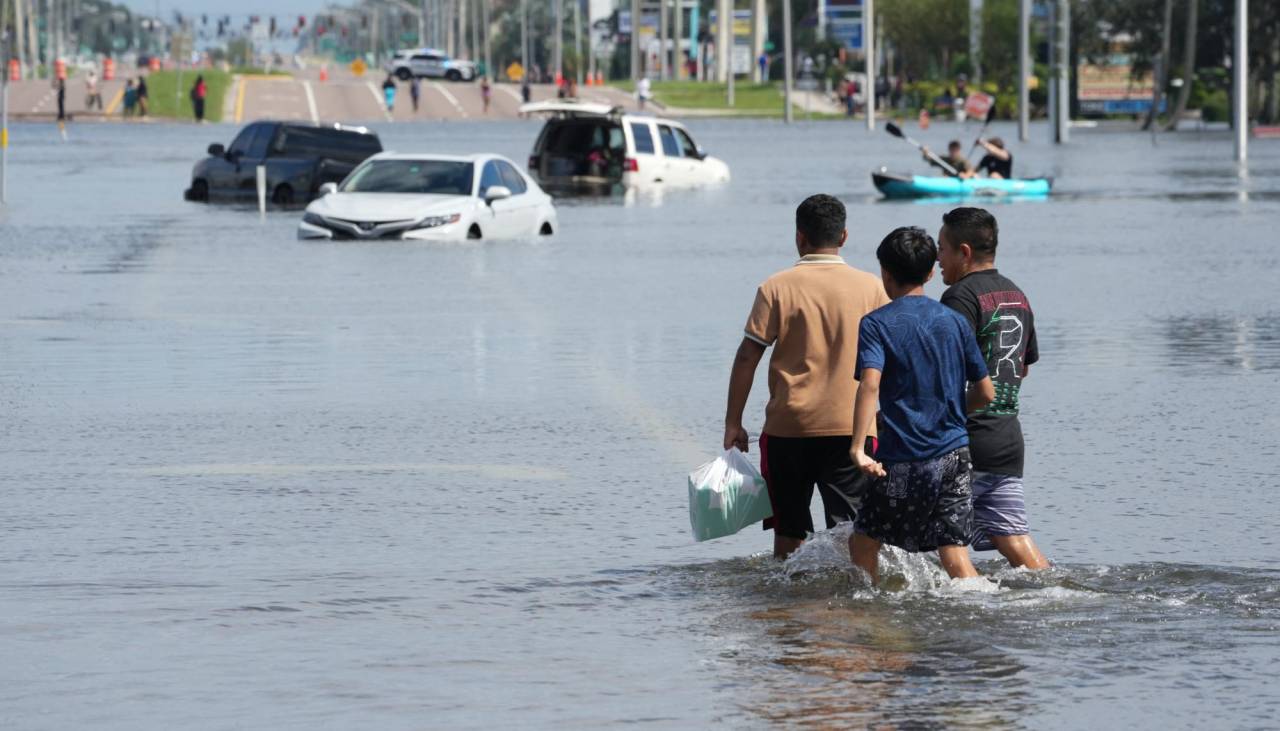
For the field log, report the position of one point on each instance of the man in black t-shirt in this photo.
(1002, 319)
(998, 162)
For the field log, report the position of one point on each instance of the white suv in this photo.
(595, 148)
(431, 63)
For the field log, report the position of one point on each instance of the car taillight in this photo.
(631, 165)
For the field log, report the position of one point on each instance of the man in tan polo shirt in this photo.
(809, 314)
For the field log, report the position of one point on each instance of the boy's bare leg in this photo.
(955, 559)
(865, 552)
(784, 546)
(1020, 551)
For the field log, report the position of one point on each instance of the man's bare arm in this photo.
(740, 378)
(864, 414)
(980, 394)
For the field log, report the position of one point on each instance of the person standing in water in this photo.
(92, 95)
(915, 358)
(1001, 318)
(389, 93)
(809, 315)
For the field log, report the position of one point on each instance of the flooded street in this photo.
(250, 481)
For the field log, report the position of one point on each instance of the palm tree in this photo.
(1188, 63)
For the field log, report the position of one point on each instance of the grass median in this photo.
(759, 99)
(164, 101)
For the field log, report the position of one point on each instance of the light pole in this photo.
(1240, 77)
(1024, 69)
(787, 73)
(869, 42)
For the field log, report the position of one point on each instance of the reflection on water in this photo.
(1223, 343)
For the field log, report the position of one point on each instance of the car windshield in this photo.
(438, 177)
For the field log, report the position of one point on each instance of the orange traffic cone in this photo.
(324, 72)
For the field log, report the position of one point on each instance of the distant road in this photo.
(344, 97)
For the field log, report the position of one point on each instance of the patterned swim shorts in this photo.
(921, 505)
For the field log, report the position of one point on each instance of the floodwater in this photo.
(254, 482)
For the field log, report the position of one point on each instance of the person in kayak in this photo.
(998, 162)
(954, 157)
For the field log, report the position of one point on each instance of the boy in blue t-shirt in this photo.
(915, 356)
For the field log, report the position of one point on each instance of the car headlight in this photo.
(315, 219)
(434, 221)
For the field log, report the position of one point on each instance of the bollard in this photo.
(60, 70)
(15, 70)
(262, 190)
(108, 69)
(154, 63)
(324, 72)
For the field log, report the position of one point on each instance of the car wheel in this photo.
(199, 191)
(546, 229)
(453, 75)
(473, 232)
(283, 195)
(403, 74)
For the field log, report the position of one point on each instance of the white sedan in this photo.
(431, 198)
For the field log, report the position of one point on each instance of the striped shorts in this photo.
(998, 508)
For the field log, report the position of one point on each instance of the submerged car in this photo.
(429, 63)
(431, 197)
(299, 159)
(597, 148)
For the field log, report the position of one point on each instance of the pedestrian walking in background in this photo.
(198, 93)
(142, 96)
(642, 91)
(525, 90)
(92, 96)
(130, 98)
(389, 92)
(415, 90)
(61, 86)
(486, 92)
(764, 66)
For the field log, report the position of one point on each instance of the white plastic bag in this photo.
(726, 495)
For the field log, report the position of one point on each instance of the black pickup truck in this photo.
(299, 158)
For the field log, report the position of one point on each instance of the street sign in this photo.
(358, 67)
(844, 22)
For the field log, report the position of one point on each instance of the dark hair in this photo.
(975, 227)
(954, 143)
(997, 142)
(908, 254)
(821, 219)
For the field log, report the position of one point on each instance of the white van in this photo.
(596, 147)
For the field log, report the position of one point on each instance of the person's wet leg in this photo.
(955, 559)
(865, 552)
(1020, 551)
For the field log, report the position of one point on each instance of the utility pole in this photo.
(422, 24)
(869, 43)
(677, 33)
(524, 37)
(635, 40)
(1062, 47)
(20, 36)
(724, 39)
(4, 108)
(787, 73)
(462, 13)
(1024, 69)
(662, 39)
(577, 40)
(488, 57)
(557, 38)
(1240, 81)
(975, 41)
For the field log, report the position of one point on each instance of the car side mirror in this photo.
(217, 150)
(327, 188)
(702, 154)
(496, 193)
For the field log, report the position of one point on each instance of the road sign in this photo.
(358, 67)
(844, 22)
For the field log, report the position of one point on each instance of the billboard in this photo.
(1111, 88)
(844, 22)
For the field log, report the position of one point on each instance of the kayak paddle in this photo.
(893, 129)
(991, 114)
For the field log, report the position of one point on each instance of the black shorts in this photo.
(793, 465)
(919, 506)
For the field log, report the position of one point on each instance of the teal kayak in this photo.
(896, 185)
